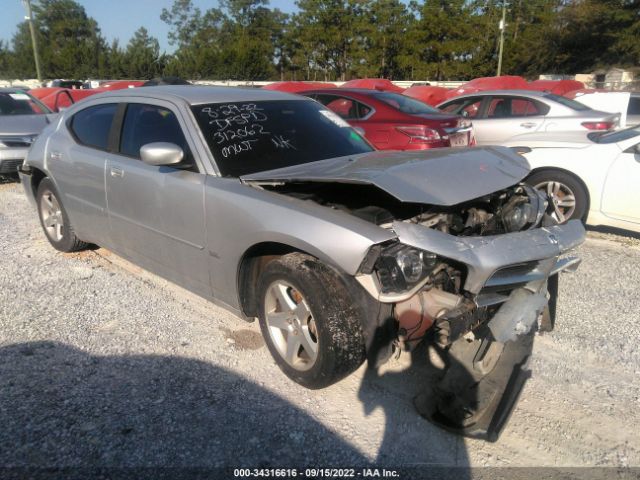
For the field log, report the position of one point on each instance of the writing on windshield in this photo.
(248, 137)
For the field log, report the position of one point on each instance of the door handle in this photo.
(117, 172)
(528, 124)
(55, 156)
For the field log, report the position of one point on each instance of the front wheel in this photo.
(54, 219)
(568, 198)
(308, 321)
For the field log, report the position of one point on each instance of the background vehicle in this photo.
(22, 118)
(274, 207)
(591, 176)
(501, 114)
(391, 121)
(625, 103)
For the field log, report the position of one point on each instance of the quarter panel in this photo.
(239, 216)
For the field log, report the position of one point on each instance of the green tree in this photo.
(384, 30)
(142, 56)
(70, 42)
(5, 60)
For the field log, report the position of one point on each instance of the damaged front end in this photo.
(472, 270)
(475, 281)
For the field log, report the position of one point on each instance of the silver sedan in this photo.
(22, 118)
(273, 207)
(499, 115)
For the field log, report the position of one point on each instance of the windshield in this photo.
(250, 137)
(20, 103)
(405, 104)
(614, 137)
(567, 102)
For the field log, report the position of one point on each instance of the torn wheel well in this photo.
(253, 262)
(36, 177)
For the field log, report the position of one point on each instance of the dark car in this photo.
(391, 121)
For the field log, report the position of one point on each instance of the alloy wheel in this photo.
(562, 199)
(51, 216)
(291, 325)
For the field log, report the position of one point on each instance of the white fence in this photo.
(33, 83)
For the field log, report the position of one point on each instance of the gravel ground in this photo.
(102, 363)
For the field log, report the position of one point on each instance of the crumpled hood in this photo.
(444, 177)
(23, 124)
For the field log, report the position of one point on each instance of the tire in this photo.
(559, 185)
(319, 313)
(54, 219)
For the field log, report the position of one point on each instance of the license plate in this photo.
(459, 139)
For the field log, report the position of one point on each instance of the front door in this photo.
(156, 213)
(507, 116)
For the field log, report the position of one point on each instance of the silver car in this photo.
(272, 206)
(22, 118)
(499, 115)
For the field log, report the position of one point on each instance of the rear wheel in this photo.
(568, 197)
(308, 321)
(54, 219)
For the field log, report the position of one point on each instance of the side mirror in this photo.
(161, 153)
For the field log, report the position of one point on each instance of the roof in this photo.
(529, 93)
(199, 94)
(342, 90)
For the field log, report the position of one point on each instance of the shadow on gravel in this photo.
(613, 231)
(60, 407)
(395, 392)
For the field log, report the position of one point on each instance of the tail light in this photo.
(420, 134)
(598, 125)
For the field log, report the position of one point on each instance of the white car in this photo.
(591, 176)
(627, 104)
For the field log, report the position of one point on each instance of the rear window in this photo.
(91, 126)
(20, 103)
(567, 102)
(634, 106)
(405, 104)
(250, 137)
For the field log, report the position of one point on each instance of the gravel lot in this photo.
(102, 363)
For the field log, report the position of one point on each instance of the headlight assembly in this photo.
(401, 267)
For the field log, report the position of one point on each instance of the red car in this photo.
(391, 121)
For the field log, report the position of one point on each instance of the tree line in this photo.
(336, 40)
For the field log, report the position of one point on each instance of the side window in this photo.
(346, 108)
(91, 126)
(468, 107)
(453, 107)
(499, 107)
(145, 124)
(509, 107)
(471, 108)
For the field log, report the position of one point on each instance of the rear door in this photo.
(505, 116)
(76, 160)
(156, 213)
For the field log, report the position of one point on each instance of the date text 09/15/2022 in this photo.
(315, 473)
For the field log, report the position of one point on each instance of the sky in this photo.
(119, 18)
